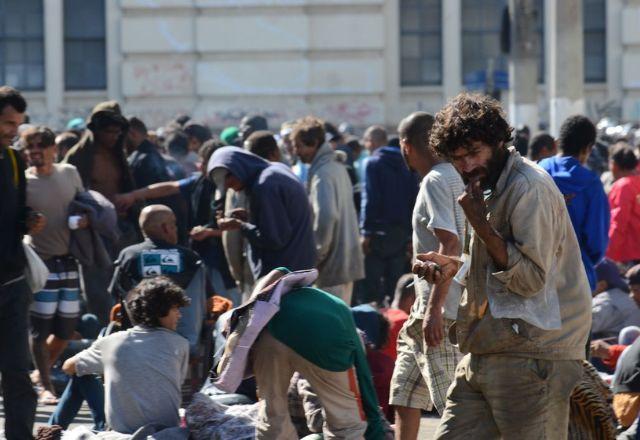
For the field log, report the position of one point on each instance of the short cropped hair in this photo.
(622, 155)
(262, 143)
(416, 128)
(12, 97)
(377, 134)
(136, 124)
(47, 136)
(540, 141)
(208, 148)
(577, 133)
(198, 131)
(468, 118)
(177, 144)
(152, 299)
(309, 131)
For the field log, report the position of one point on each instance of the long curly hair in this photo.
(152, 299)
(467, 118)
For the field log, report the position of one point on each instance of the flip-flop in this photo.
(46, 397)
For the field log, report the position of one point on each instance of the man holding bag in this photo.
(19, 399)
(521, 363)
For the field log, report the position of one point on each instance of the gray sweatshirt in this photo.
(143, 370)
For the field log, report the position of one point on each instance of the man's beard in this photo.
(488, 175)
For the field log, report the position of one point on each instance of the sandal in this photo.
(46, 397)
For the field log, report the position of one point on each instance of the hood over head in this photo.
(568, 173)
(243, 164)
(106, 113)
(607, 271)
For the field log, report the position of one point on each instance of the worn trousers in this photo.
(507, 397)
(19, 398)
(273, 365)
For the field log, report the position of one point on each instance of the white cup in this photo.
(74, 221)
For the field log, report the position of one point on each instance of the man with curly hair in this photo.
(524, 319)
(144, 366)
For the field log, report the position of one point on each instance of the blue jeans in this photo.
(79, 389)
(19, 398)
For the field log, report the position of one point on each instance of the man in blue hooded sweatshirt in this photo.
(278, 225)
(388, 196)
(582, 189)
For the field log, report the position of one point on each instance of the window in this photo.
(420, 42)
(481, 22)
(84, 45)
(594, 13)
(22, 44)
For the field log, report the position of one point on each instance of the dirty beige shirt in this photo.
(529, 212)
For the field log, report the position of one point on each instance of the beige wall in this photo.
(338, 59)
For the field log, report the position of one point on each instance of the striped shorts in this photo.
(56, 308)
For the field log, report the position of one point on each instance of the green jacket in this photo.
(320, 328)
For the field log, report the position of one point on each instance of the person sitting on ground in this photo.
(375, 330)
(626, 386)
(633, 278)
(197, 191)
(613, 309)
(159, 254)
(145, 366)
(399, 312)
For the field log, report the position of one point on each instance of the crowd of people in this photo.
(305, 282)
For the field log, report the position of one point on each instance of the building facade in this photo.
(359, 61)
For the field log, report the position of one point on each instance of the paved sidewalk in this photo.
(427, 426)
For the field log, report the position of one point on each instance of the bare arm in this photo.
(154, 191)
(433, 324)
(69, 366)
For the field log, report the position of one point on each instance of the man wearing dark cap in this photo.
(100, 159)
(251, 123)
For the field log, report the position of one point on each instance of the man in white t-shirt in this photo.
(426, 360)
(55, 310)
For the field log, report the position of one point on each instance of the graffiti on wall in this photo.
(160, 78)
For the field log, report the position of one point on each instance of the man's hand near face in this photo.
(475, 209)
(473, 204)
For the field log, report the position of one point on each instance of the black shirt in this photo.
(13, 214)
(152, 258)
